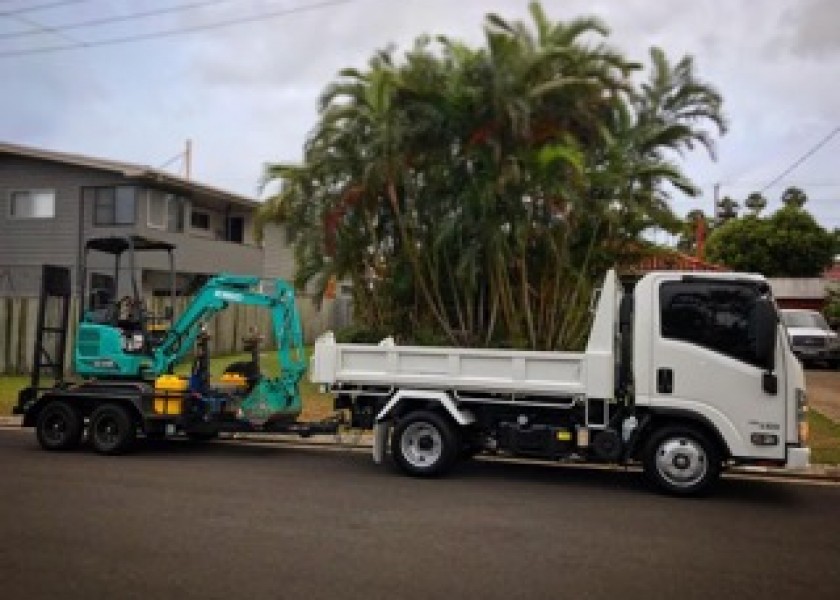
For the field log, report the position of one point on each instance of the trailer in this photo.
(686, 373)
(124, 360)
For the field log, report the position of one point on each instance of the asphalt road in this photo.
(233, 521)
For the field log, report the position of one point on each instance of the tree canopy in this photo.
(472, 194)
(790, 243)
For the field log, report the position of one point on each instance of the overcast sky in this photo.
(246, 93)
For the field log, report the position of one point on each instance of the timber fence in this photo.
(18, 322)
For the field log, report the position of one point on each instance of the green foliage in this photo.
(832, 305)
(472, 194)
(790, 243)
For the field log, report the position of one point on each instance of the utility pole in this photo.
(716, 200)
(188, 160)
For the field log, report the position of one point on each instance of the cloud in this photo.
(248, 94)
(810, 29)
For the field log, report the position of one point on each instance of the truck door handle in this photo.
(665, 381)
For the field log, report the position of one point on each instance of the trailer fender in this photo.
(382, 424)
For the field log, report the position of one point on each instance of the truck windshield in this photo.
(804, 319)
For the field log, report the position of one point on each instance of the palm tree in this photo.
(475, 192)
(794, 197)
(726, 209)
(756, 202)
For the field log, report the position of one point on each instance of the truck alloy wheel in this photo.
(682, 461)
(112, 431)
(59, 426)
(424, 444)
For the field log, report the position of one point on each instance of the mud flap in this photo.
(380, 440)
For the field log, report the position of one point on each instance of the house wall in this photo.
(26, 244)
(278, 253)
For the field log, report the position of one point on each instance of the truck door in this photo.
(705, 360)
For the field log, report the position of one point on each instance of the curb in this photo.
(829, 473)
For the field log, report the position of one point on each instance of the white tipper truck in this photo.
(684, 372)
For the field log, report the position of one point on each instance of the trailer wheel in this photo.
(112, 430)
(424, 444)
(59, 426)
(682, 461)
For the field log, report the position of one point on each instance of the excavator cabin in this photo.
(117, 333)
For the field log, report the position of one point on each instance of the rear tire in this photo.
(112, 430)
(59, 426)
(424, 444)
(682, 461)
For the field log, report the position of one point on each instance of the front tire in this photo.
(59, 426)
(682, 461)
(112, 430)
(424, 444)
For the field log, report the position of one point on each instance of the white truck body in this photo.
(678, 374)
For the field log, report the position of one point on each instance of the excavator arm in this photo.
(216, 295)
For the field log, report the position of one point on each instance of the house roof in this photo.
(135, 172)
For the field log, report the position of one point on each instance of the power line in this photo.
(47, 29)
(180, 30)
(114, 19)
(37, 7)
(802, 159)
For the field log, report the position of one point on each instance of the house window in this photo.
(114, 205)
(156, 210)
(200, 220)
(175, 212)
(236, 230)
(32, 204)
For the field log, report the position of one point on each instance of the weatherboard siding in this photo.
(26, 244)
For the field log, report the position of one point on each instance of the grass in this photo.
(824, 440)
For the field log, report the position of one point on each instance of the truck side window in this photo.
(714, 315)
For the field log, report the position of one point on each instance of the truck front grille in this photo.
(809, 341)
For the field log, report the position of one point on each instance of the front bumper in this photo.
(798, 458)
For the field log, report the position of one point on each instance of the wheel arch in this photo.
(405, 401)
(660, 418)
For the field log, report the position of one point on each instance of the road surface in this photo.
(264, 521)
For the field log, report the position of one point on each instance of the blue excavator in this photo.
(125, 358)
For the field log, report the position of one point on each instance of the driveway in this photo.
(824, 392)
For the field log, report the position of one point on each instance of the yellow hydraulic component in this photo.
(168, 394)
(233, 382)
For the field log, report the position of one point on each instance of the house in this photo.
(50, 202)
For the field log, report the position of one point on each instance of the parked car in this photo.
(811, 337)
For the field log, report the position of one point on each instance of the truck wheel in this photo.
(424, 444)
(112, 430)
(59, 426)
(682, 461)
